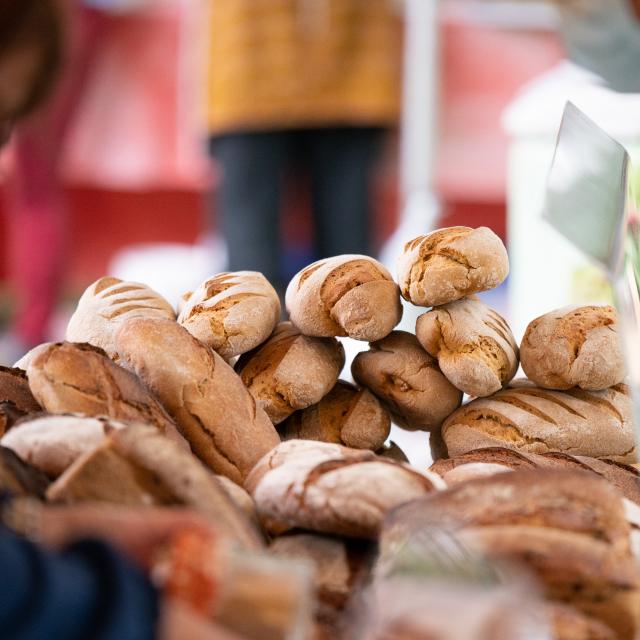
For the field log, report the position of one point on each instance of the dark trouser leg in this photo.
(248, 198)
(342, 161)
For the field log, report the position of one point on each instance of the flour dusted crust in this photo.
(574, 346)
(106, 304)
(407, 380)
(290, 371)
(329, 488)
(206, 398)
(472, 343)
(529, 419)
(232, 312)
(451, 263)
(346, 415)
(348, 295)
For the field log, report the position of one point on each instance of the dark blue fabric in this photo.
(87, 591)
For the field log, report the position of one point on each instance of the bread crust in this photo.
(212, 408)
(290, 371)
(407, 380)
(574, 346)
(472, 343)
(348, 295)
(16, 399)
(451, 263)
(232, 312)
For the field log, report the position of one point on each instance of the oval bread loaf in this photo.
(290, 371)
(232, 312)
(346, 415)
(212, 408)
(451, 263)
(534, 420)
(473, 345)
(106, 304)
(407, 380)
(574, 347)
(349, 295)
(331, 489)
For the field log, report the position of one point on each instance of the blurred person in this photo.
(87, 575)
(299, 84)
(37, 212)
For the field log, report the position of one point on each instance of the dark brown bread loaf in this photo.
(290, 371)
(207, 399)
(407, 380)
(346, 415)
(16, 399)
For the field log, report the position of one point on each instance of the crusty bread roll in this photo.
(473, 345)
(79, 378)
(137, 466)
(574, 347)
(451, 263)
(106, 304)
(524, 417)
(16, 399)
(211, 406)
(349, 295)
(232, 312)
(346, 415)
(290, 371)
(17, 478)
(407, 380)
(329, 488)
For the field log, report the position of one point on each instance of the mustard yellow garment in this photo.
(297, 63)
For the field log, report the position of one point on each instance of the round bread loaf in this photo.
(407, 380)
(232, 312)
(331, 489)
(349, 295)
(106, 304)
(212, 408)
(598, 424)
(451, 263)
(574, 347)
(473, 345)
(346, 415)
(290, 371)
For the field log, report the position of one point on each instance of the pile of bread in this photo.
(224, 408)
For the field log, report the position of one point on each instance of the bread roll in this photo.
(346, 415)
(106, 304)
(232, 312)
(407, 380)
(52, 443)
(451, 263)
(574, 347)
(207, 399)
(17, 478)
(78, 378)
(473, 345)
(533, 420)
(16, 399)
(136, 466)
(290, 371)
(329, 488)
(349, 295)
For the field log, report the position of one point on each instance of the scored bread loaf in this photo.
(79, 378)
(574, 347)
(16, 399)
(106, 304)
(52, 443)
(137, 466)
(346, 415)
(348, 295)
(212, 408)
(407, 380)
(290, 371)
(232, 312)
(530, 419)
(451, 263)
(473, 345)
(329, 488)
